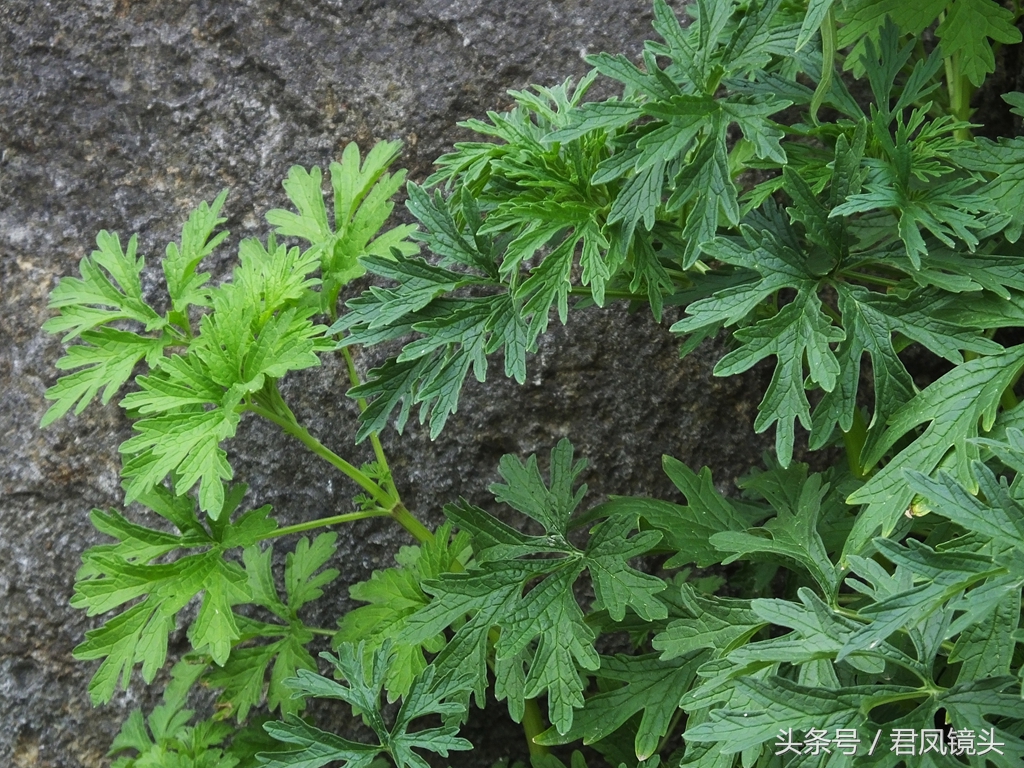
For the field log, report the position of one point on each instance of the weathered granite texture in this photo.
(123, 115)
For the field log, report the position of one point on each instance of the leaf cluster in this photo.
(838, 232)
(830, 248)
(217, 351)
(212, 352)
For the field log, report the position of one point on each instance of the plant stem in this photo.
(680, 275)
(960, 90)
(854, 442)
(407, 520)
(378, 449)
(1008, 399)
(389, 505)
(397, 510)
(830, 312)
(296, 430)
(585, 291)
(309, 525)
(669, 731)
(871, 279)
(533, 721)
(533, 725)
(920, 693)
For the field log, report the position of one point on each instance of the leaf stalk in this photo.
(321, 522)
(533, 726)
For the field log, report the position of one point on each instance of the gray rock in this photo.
(124, 116)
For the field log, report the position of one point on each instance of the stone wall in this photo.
(124, 115)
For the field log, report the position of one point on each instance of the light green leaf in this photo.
(165, 739)
(188, 443)
(110, 289)
(184, 285)
(104, 361)
(362, 205)
(138, 567)
(394, 595)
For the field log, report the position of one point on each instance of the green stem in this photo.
(919, 693)
(680, 275)
(585, 291)
(960, 90)
(180, 319)
(533, 719)
(378, 449)
(405, 518)
(533, 725)
(1008, 400)
(854, 442)
(296, 430)
(309, 525)
(838, 318)
(389, 505)
(669, 731)
(871, 279)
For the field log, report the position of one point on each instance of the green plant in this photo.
(856, 214)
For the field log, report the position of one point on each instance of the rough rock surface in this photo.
(123, 115)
